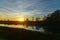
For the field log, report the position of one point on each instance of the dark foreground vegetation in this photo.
(22, 34)
(52, 22)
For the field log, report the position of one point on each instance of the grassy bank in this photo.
(22, 34)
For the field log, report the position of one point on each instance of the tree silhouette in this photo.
(27, 19)
(54, 16)
(53, 21)
(37, 19)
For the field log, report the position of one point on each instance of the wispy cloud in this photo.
(28, 7)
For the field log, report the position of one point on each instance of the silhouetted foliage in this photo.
(54, 16)
(32, 18)
(53, 21)
(21, 34)
(27, 19)
(37, 19)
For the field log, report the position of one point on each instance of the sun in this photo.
(21, 19)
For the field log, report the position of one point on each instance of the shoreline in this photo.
(21, 34)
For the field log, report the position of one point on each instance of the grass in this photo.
(22, 34)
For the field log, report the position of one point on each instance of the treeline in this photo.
(52, 22)
(54, 17)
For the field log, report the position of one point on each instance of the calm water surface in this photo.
(32, 28)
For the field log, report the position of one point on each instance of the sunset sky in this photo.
(29, 8)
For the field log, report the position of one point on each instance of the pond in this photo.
(27, 27)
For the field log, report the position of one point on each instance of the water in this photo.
(32, 28)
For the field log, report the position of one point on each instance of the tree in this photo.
(54, 16)
(27, 19)
(32, 18)
(53, 21)
(37, 19)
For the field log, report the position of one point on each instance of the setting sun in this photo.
(21, 19)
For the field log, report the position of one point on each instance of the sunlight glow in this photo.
(21, 19)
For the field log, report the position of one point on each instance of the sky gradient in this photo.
(17, 8)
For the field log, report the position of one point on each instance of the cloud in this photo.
(28, 7)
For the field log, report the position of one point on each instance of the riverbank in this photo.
(7, 33)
